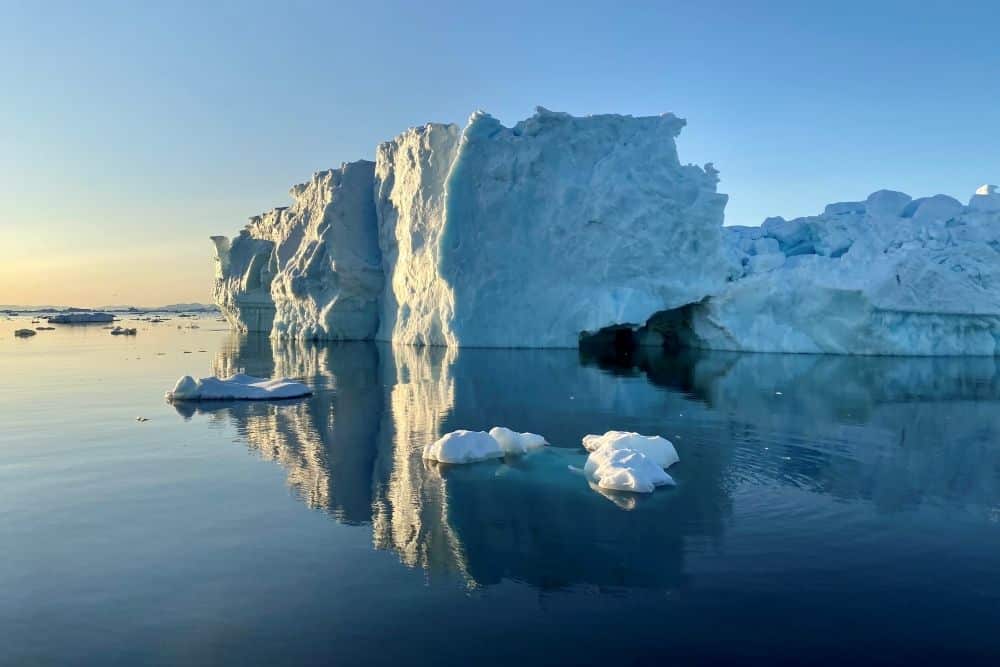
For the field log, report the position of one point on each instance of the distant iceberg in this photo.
(81, 318)
(563, 231)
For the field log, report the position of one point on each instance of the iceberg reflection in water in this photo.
(777, 452)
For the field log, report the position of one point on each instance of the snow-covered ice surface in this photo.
(657, 449)
(237, 387)
(512, 442)
(464, 447)
(310, 270)
(889, 275)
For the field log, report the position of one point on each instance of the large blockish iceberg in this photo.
(566, 230)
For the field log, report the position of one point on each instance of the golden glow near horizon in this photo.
(96, 255)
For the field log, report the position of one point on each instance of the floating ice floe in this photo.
(464, 447)
(625, 469)
(24, 333)
(122, 331)
(512, 442)
(658, 450)
(236, 388)
(628, 461)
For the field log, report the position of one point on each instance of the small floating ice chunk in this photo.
(236, 388)
(122, 331)
(464, 447)
(24, 333)
(512, 442)
(625, 469)
(657, 449)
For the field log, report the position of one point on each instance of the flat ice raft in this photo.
(239, 387)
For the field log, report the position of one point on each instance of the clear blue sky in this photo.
(131, 131)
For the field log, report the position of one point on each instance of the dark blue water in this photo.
(828, 510)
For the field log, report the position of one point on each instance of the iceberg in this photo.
(565, 231)
(463, 446)
(237, 387)
(81, 318)
(595, 215)
(890, 275)
(533, 235)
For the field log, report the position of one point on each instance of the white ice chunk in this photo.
(657, 449)
(512, 442)
(624, 469)
(236, 388)
(464, 447)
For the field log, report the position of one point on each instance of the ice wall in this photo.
(531, 235)
(410, 174)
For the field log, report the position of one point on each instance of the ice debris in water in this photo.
(470, 446)
(512, 442)
(624, 470)
(463, 446)
(628, 461)
(236, 388)
(657, 449)
(24, 333)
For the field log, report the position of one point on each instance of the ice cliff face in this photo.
(889, 275)
(311, 270)
(531, 235)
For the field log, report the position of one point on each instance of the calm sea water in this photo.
(828, 510)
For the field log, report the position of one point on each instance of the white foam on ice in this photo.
(238, 387)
